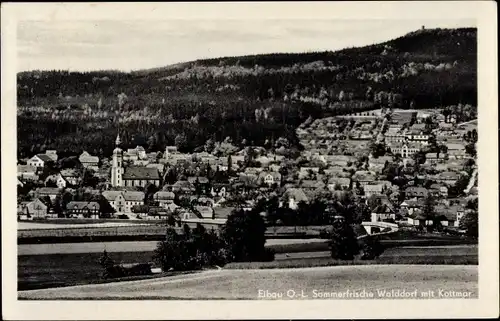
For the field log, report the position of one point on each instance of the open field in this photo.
(51, 270)
(279, 245)
(74, 223)
(245, 284)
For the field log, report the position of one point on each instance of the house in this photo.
(403, 116)
(363, 177)
(89, 161)
(410, 206)
(417, 136)
(373, 189)
(198, 180)
(27, 172)
(140, 176)
(445, 126)
(450, 215)
(35, 209)
(58, 180)
(383, 212)
(416, 192)
(394, 136)
(378, 164)
(39, 161)
(433, 158)
(159, 167)
(307, 171)
(312, 184)
(338, 160)
(123, 201)
(294, 196)
(183, 186)
(440, 190)
(457, 154)
(51, 192)
(417, 219)
(342, 182)
(163, 198)
(449, 178)
(133, 154)
(70, 176)
(404, 149)
(220, 190)
(83, 209)
(270, 178)
(52, 155)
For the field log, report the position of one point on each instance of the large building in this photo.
(122, 175)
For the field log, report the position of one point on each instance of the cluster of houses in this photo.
(405, 133)
(327, 164)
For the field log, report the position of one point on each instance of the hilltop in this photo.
(246, 99)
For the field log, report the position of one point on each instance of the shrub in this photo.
(371, 248)
(343, 244)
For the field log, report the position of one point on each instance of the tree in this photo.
(343, 243)
(244, 233)
(107, 264)
(429, 212)
(371, 247)
(469, 221)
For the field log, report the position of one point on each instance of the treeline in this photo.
(218, 98)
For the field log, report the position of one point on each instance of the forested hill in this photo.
(250, 99)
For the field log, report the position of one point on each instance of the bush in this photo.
(244, 234)
(344, 244)
(371, 248)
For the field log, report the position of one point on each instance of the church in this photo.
(136, 176)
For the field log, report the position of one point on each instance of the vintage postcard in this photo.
(249, 160)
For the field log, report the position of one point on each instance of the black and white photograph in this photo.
(316, 158)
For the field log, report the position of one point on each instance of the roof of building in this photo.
(85, 157)
(164, 196)
(199, 179)
(183, 184)
(82, 205)
(48, 190)
(133, 196)
(44, 157)
(140, 172)
(69, 172)
(383, 208)
(297, 194)
(25, 169)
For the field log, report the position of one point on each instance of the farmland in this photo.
(51, 270)
(245, 284)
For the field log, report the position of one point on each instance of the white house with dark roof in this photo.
(164, 198)
(269, 178)
(27, 172)
(123, 201)
(83, 209)
(294, 196)
(89, 161)
(39, 161)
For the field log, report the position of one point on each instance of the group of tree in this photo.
(241, 239)
(74, 111)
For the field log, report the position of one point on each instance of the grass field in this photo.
(52, 270)
(245, 284)
(279, 245)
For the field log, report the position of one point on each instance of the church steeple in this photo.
(118, 141)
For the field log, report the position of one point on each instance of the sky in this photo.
(132, 45)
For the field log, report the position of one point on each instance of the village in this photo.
(396, 162)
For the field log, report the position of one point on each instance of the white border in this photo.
(486, 306)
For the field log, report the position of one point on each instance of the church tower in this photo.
(117, 165)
